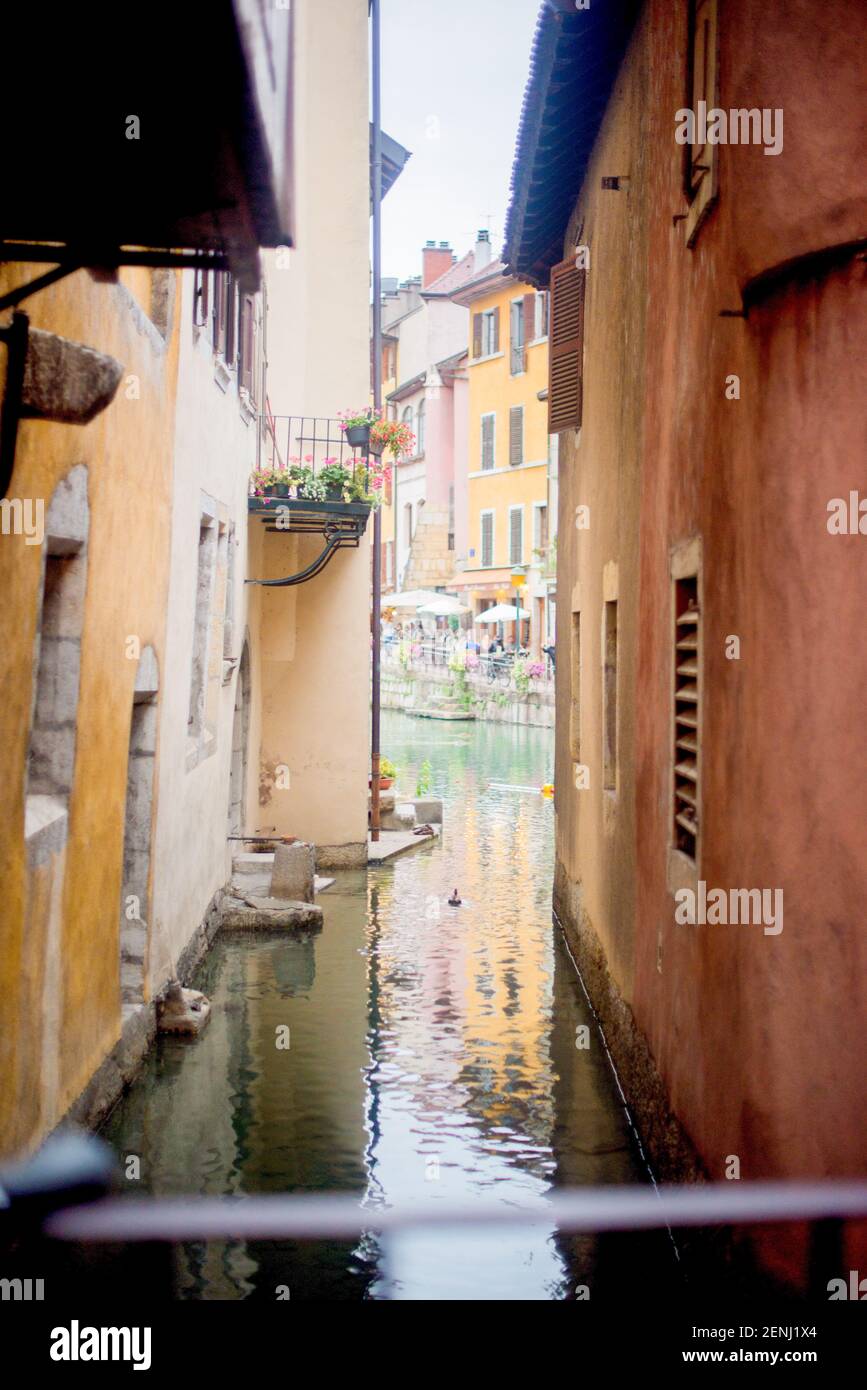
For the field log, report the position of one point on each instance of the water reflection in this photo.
(432, 1056)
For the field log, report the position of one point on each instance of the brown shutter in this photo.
(529, 317)
(477, 335)
(231, 320)
(566, 348)
(497, 329)
(516, 435)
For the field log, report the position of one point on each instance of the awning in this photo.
(176, 140)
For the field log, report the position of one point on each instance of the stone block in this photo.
(401, 818)
(293, 872)
(257, 914)
(428, 810)
(183, 1011)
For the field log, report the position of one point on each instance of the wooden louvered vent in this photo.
(566, 347)
(687, 707)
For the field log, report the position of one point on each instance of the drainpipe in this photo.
(376, 83)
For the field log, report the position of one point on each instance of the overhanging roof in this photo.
(573, 64)
(394, 157)
(177, 138)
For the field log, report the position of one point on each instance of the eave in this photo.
(574, 63)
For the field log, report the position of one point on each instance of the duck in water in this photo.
(454, 900)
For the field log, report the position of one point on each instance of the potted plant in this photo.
(356, 426)
(270, 481)
(393, 437)
(336, 480)
(387, 774)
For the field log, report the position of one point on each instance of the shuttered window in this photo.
(247, 340)
(488, 440)
(487, 540)
(516, 535)
(201, 298)
(486, 333)
(516, 435)
(687, 632)
(609, 695)
(517, 338)
(566, 348)
(701, 169)
(231, 320)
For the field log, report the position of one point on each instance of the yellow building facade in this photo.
(505, 464)
(83, 626)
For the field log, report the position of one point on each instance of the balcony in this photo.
(315, 502)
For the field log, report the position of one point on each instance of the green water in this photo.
(432, 1056)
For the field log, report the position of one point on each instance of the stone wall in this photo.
(416, 690)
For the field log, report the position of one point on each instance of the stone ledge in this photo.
(244, 914)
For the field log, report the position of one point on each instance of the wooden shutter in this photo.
(487, 441)
(477, 335)
(516, 536)
(516, 435)
(231, 320)
(218, 319)
(566, 349)
(687, 692)
(496, 347)
(487, 540)
(529, 322)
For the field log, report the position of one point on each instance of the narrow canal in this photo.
(433, 1054)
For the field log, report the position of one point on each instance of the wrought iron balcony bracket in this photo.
(341, 524)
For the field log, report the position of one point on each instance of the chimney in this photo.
(435, 261)
(482, 253)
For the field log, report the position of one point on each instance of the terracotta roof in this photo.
(573, 64)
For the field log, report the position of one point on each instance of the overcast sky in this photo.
(453, 78)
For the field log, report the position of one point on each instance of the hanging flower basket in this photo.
(358, 436)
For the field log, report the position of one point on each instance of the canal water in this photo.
(435, 1053)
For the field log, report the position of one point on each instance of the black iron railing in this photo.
(311, 441)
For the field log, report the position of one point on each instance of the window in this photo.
(516, 535)
(407, 523)
(540, 315)
(516, 435)
(205, 569)
(218, 312)
(566, 356)
(687, 633)
(700, 168)
(231, 337)
(389, 562)
(609, 696)
(201, 298)
(488, 440)
(247, 346)
(540, 529)
(517, 357)
(406, 417)
(575, 691)
(487, 526)
(486, 333)
(422, 414)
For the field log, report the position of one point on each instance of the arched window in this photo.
(407, 416)
(419, 429)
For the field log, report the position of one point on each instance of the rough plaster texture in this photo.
(744, 1031)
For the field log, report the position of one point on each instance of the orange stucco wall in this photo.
(128, 453)
(758, 1039)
